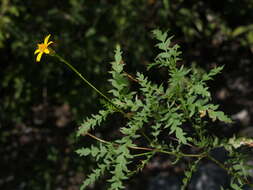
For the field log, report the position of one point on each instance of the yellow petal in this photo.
(39, 57)
(36, 51)
(50, 43)
(46, 51)
(47, 38)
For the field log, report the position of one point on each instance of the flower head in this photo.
(43, 48)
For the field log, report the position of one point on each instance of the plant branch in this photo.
(131, 77)
(150, 149)
(98, 139)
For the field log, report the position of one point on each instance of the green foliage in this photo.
(85, 32)
(95, 120)
(101, 154)
(180, 109)
(188, 173)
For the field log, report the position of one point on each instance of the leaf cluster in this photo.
(168, 117)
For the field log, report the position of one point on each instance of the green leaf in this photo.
(159, 35)
(118, 56)
(199, 89)
(212, 73)
(94, 151)
(214, 115)
(83, 151)
(235, 186)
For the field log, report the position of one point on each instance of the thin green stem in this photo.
(146, 137)
(217, 162)
(180, 154)
(149, 149)
(142, 154)
(228, 170)
(87, 82)
(98, 139)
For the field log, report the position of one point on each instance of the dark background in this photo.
(41, 104)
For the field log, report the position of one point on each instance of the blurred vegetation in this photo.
(42, 104)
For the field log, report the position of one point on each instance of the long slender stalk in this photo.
(149, 149)
(142, 154)
(87, 82)
(98, 139)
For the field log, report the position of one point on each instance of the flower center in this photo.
(42, 47)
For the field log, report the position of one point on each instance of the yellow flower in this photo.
(43, 48)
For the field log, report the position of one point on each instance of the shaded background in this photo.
(42, 103)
